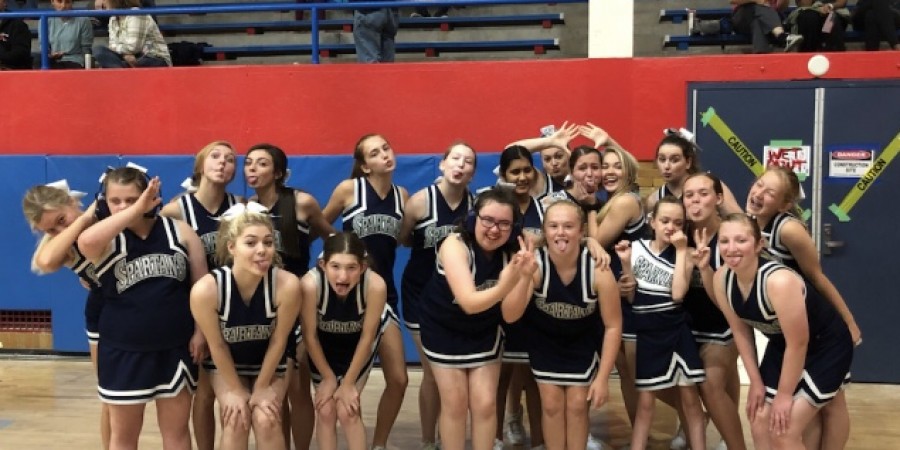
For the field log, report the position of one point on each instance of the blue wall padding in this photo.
(64, 296)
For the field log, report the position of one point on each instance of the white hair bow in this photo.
(241, 208)
(128, 164)
(64, 185)
(188, 185)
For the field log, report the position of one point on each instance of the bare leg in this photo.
(303, 415)
(720, 363)
(429, 397)
(695, 419)
(125, 422)
(326, 426)
(835, 423)
(625, 363)
(173, 415)
(483, 405)
(267, 430)
(533, 403)
(104, 407)
(203, 414)
(393, 365)
(233, 437)
(642, 419)
(576, 417)
(453, 385)
(553, 410)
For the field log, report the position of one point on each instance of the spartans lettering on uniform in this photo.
(650, 273)
(563, 310)
(209, 243)
(434, 234)
(376, 224)
(246, 333)
(149, 266)
(340, 327)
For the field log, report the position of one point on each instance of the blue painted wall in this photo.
(63, 295)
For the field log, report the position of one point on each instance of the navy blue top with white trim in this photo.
(296, 261)
(564, 309)
(775, 246)
(204, 222)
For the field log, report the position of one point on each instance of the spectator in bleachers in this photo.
(878, 20)
(821, 23)
(422, 11)
(134, 41)
(70, 38)
(761, 20)
(374, 31)
(15, 43)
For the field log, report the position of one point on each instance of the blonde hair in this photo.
(200, 160)
(38, 200)
(630, 168)
(791, 185)
(229, 230)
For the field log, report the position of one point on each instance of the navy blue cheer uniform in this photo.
(771, 234)
(664, 191)
(376, 221)
(829, 351)
(247, 326)
(667, 355)
(94, 304)
(515, 349)
(427, 234)
(708, 324)
(450, 336)
(634, 230)
(550, 185)
(146, 322)
(204, 222)
(563, 324)
(340, 325)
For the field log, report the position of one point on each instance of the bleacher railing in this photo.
(43, 15)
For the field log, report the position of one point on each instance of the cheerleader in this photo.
(807, 360)
(146, 265)
(666, 354)
(344, 305)
(200, 207)
(55, 211)
(371, 205)
(247, 309)
(430, 215)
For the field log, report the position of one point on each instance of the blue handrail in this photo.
(314, 9)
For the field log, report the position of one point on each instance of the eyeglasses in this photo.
(490, 222)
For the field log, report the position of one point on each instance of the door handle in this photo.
(830, 243)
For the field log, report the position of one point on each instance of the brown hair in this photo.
(791, 185)
(359, 156)
(200, 159)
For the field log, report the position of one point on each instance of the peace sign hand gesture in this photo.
(700, 255)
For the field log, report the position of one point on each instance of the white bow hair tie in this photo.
(188, 185)
(64, 185)
(128, 164)
(241, 208)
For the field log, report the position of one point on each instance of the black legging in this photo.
(878, 21)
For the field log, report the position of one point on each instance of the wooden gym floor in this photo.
(49, 403)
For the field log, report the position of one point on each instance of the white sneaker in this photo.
(721, 446)
(595, 444)
(515, 431)
(498, 444)
(792, 42)
(679, 442)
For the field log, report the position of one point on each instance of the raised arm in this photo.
(623, 250)
(623, 209)
(681, 279)
(55, 252)
(514, 304)
(559, 139)
(94, 241)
